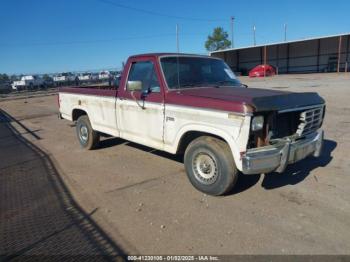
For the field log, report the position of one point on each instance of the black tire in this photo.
(202, 156)
(88, 138)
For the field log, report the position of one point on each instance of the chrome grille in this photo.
(310, 121)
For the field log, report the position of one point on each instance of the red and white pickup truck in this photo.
(195, 105)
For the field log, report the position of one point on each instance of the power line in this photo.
(159, 14)
(85, 42)
(79, 42)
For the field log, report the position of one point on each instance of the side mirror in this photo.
(145, 93)
(134, 86)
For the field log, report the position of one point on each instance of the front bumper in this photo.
(276, 157)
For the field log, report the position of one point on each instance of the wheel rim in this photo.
(83, 133)
(205, 168)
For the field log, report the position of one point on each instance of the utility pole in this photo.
(232, 43)
(177, 39)
(285, 32)
(254, 31)
(339, 54)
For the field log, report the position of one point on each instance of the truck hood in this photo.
(259, 99)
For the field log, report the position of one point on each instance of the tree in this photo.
(218, 40)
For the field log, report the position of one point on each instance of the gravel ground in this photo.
(145, 203)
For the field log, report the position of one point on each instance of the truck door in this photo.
(140, 116)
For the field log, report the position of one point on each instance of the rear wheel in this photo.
(210, 166)
(88, 138)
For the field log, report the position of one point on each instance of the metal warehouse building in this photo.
(324, 54)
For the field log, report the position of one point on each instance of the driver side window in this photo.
(144, 71)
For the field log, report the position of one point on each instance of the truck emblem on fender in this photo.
(169, 118)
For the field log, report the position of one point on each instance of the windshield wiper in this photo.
(187, 85)
(194, 85)
(216, 84)
(226, 81)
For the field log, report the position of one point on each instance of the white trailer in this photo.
(85, 77)
(28, 82)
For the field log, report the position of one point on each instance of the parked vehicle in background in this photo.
(5, 83)
(48, 81)
(28, 82)
(104, 75)
(95, 77)
(194, 105)
(115, 74)
(262, 71)
(5, 87)
(84, 77)
(64, 79)
(60, 78)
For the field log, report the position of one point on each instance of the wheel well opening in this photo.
(77, 113)
(188, 137)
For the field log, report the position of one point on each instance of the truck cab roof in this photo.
(167, 54)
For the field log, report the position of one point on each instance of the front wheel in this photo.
(88, 138)
(210, 166)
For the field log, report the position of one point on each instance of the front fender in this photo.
(211, 130)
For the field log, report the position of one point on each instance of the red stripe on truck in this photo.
(97, 91)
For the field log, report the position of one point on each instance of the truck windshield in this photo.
(188, 72)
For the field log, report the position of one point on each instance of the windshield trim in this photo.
(184, 55)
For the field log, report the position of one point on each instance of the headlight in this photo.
(257, 123)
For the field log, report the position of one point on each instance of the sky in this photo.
(48, 36)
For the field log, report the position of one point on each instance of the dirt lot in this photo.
(146, 205)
